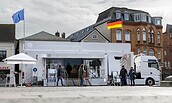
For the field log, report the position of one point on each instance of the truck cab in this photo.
(147, 69)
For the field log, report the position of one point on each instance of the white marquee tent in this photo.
(20, 58)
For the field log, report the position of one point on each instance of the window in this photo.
(149, 37)
(138, 50)
(76, 34)
(152, 36)
(138, 35)
(168, 63)
(3, 55)
(165, 53)
(170, 35)
(143, 16)
(94, 36)
(144, 35)
(126, 16)
(159, 54)
(157, 21)
(127, 35)
(159, 37)
(137, 17)
(118, 35)
(153, 64)
(165, 64)
(145, 51)
(151, 52)
(88, 29)
(149, 19)
(118, 14)
(82, 31)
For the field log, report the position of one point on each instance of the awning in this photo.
(5, 68)
(76, 55)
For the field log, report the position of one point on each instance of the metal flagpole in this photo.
(24, 34)
(24, 50)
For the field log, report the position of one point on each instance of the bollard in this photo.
(28, 84)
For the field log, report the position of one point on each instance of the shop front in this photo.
(94, 67)
(6, 75)
(70, 55)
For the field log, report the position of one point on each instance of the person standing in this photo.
(69, 69)
(123, 74)
(81, 74)
(59, 75)
(132, 76)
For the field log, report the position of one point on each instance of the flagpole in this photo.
(24, 50)
(24, 35)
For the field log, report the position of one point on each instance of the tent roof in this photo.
(20, 58)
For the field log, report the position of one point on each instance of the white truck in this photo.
(146, 67)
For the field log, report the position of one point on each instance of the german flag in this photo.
(114, 24)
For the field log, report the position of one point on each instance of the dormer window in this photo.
(157, 21)
(137, 17)
(126, 16)
(143, 17)
(118, 14)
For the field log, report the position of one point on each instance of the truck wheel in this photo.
(150, 82)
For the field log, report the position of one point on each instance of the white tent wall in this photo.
(51, 49)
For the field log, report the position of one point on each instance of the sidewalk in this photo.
(92, 94)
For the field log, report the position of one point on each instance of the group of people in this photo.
(83, 74)
(65, 73)
(123, 75)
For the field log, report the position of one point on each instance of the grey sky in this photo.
(71, 15)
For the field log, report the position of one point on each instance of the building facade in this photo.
(139, 28)
(7, 48)
(167, 47)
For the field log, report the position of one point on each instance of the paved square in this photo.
(90, 94)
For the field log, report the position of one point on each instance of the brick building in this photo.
(139, 28)
(167, 47)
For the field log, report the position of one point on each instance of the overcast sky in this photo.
(71, 15)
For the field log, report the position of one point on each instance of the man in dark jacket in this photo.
(123, 74)
(132, 75)
(59, 75)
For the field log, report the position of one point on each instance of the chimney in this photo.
(63, 35)
(57, 34)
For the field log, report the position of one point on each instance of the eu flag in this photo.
(19, 15)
